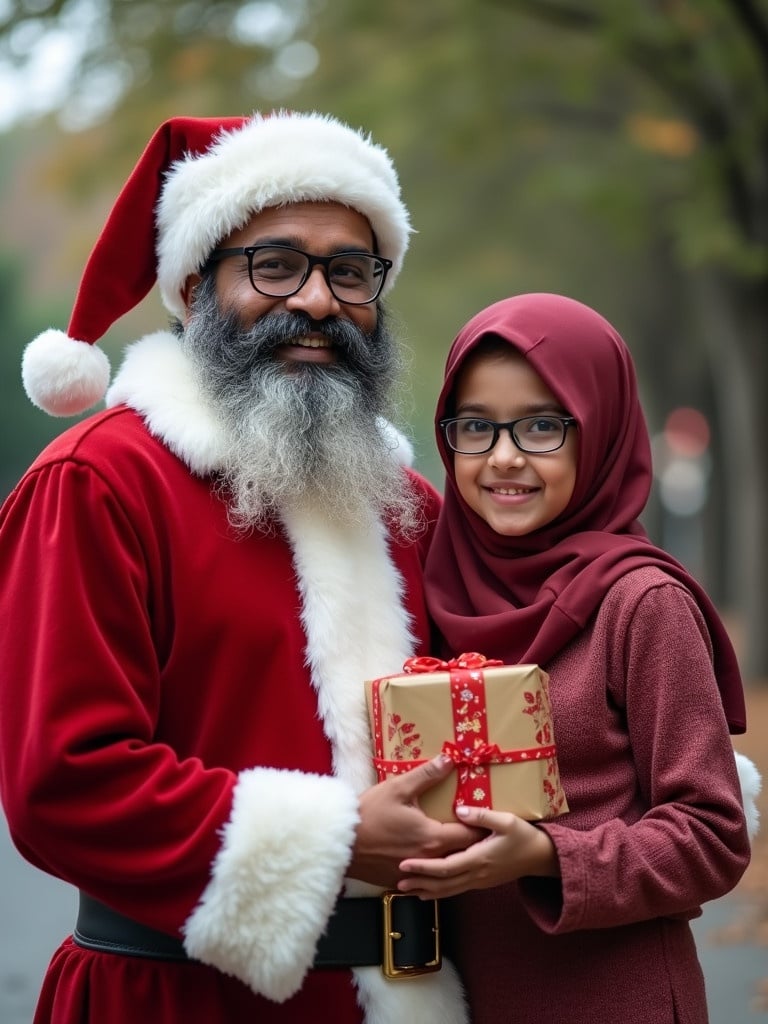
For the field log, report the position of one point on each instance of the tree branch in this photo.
(752, 20)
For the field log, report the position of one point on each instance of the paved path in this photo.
(732, 972)
(36, 911)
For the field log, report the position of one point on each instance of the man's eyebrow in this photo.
(297, 243)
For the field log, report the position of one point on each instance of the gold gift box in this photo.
(494, 720)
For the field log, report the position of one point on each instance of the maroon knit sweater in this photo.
(655, 829)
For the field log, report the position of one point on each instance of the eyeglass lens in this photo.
(281, 271)
(537, 434)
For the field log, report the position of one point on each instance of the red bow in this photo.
(483, 753)
(412, 666)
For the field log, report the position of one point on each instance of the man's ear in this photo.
(188, 292)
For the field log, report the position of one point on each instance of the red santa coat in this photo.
(183, 730)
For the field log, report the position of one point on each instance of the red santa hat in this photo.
(198, 180)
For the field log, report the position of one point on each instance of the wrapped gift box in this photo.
(493, 720)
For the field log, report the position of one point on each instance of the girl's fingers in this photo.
(483, 817)
(435, 888)
(439, 867)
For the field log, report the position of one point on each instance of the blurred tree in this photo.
(86, 59)
(707, 67)
(17, 417)
(615, 151)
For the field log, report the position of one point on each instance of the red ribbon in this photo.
(412, 666)
(485, 754)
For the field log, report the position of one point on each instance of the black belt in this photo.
(397, 932)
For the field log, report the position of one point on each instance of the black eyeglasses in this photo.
(278, 271)
(535, 435)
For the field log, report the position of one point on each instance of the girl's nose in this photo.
(505, 452)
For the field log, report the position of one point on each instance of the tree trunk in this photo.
(732, 318)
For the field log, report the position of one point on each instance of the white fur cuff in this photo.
(275, 879)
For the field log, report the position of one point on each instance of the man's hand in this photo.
(393, 827)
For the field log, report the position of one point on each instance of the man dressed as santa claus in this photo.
(196, 582)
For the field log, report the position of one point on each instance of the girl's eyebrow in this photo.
(477, 407)
(533, 409)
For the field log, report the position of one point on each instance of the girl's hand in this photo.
(513, 848)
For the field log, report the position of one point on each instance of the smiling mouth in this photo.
(512, 490)
(310, 342)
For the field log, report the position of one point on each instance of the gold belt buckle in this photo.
(391, 935)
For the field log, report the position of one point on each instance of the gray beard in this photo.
(300, 435)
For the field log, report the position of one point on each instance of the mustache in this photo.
(234, 357)
(272, 330)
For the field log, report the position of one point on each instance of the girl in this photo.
(539, 557)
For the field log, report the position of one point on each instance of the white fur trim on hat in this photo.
(62, 376)
(270, 161)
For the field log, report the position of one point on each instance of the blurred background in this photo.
(614, 152)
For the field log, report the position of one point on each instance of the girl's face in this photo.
(514, 492)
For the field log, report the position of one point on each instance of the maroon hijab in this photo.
(522, 599)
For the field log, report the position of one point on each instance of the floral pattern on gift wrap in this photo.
(539, 707)
(469, 716)
(407, 747)
(554, 793)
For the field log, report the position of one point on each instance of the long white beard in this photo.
(303, 442)
(301, 434)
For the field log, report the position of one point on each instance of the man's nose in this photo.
(315, 297)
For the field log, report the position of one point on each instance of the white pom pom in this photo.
(64, 377)
(751, 784)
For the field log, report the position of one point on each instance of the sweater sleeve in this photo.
(689, 842)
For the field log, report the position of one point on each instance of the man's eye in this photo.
(272, 267)
(348, 273)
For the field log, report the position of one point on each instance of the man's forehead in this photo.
(333, 226)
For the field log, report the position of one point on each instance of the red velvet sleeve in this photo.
(88, 793)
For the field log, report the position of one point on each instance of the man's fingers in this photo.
(427, 775)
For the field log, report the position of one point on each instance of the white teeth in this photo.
(513, 490)
(311, 342)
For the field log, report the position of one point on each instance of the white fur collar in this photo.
(156, 380)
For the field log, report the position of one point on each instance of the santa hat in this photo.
(198, 180)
